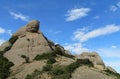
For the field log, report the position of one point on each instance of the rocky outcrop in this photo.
(30, 43)
(85, 72)
(32, 26)
(53, 62)
(94, 58)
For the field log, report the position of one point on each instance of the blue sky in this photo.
(78, 25)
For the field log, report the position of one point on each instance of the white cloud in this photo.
(83, 36)
(113, 46)
(54, 32)
(76, 48)
(96, 17)
(9, 32)
(110, 52)
(113, 8)
(2, 30)
(77, 13)
(17, 15)
(114, 64)
(1, 41)
(118, 4)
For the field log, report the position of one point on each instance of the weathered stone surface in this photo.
(94, 58)
(30, 43)
(32, 26)
(4, 45)
(85, 72)
(23, 70)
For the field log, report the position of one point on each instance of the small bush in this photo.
(45, 56)
(48, 67)
(26, 58)
(4, 67)
(33, 75)
(13, 39)
(72, 67)
(63, 76)
(67, 55)
(85, 62)
(7, 48)
(58, 51)
(58, 70)
(51, 61)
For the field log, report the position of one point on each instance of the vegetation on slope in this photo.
(5, 64)
(52, 54)
(63, 72)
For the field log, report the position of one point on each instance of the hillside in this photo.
(28, 54)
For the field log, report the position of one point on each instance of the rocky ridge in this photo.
(36, 57)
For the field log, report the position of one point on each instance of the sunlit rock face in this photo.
(94, 58)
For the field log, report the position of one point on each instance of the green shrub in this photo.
(63, 76)
(58, 51)
(72, 67)
(4, 67)
(48, 67)
(7, 48)
(34, 75)
(51, 61)
(67, 55)
(45, 56)
(13, 39)
(85, 62)
(58, 70)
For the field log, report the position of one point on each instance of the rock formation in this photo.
(36, 57)
(93, 57)
(30, 43)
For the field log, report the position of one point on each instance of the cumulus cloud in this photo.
(2, 30)
(76, 48)
(115, 7)
(77, 13)
(96, 17)
(84, 36)
(110, 52)
(17, 15)
(113, 46)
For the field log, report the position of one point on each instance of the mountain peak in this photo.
(33, 26)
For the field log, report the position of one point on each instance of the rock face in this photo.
(94, 58)
(30, 43)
